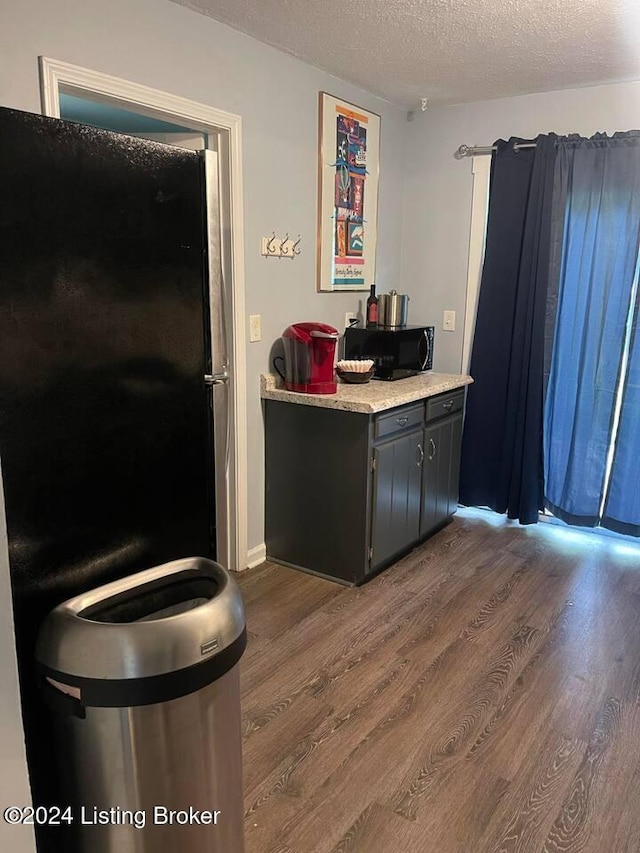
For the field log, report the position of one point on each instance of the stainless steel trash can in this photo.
(143, 680)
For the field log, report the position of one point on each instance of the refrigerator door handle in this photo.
(219, 366)
(217, 378)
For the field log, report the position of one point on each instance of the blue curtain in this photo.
(502, 441)
(598, 182)
(622, 509)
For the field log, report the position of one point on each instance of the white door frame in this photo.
(481, 170)
(227, 129)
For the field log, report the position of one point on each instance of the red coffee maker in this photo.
(309, 355)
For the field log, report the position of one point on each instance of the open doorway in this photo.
(79, 94)
(119, 120)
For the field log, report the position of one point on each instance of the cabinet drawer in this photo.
(399, 420)
(445, 404)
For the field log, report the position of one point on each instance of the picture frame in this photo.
(348, 178)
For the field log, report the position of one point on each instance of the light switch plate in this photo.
(255, 332)
(448, 321)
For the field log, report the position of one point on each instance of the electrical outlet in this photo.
(255, 332)
(448, 321)
(349, 315)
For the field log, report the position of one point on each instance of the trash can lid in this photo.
(168, 618)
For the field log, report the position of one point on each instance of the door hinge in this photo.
(370, 554)
(373, 463)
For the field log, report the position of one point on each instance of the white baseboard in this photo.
(256, 555)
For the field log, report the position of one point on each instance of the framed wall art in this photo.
(347, 195)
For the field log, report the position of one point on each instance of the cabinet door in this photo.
(441, 472)
(396, 496)
(435, 503)
(454, 467)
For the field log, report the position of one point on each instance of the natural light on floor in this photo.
(568, 537)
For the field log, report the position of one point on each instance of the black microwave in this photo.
(397, 353)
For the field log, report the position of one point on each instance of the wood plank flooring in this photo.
(480, 696)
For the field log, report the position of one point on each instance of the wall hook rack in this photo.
(280, 247)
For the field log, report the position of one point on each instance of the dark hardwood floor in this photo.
(481, 695)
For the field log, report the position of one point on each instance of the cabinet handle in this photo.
(421, 460)
(402, 421)
(433, 448)
(448, 405)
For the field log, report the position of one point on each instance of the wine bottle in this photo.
(372, 308)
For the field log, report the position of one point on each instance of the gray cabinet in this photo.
(397, 474)
(347, 493)
(441, 472)
(317, 496)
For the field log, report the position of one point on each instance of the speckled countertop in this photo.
(372, 397)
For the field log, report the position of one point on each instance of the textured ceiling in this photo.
(450, 51)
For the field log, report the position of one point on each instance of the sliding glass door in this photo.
(592, 408)
(621, 511)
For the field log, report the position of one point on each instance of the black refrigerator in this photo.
(106, 421)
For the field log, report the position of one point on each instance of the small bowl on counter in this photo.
(355, 371)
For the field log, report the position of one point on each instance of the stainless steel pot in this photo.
(393, 309)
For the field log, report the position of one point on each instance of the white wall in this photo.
(437, 199)
(176, 50)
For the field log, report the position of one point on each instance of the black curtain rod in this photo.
(474, 150)
(630, 136)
